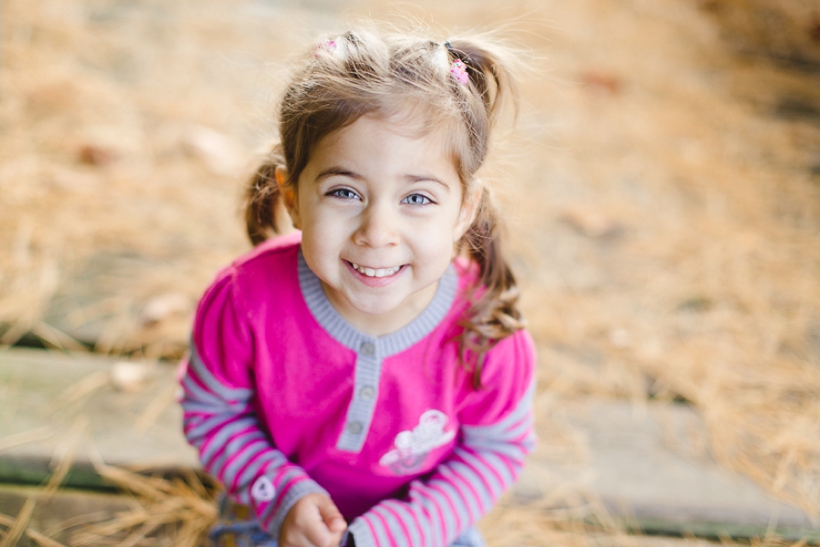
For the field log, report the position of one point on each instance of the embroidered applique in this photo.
(263, 489)
(412, 447)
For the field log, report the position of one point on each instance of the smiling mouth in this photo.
(375, 272)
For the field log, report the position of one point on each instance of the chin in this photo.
(374, 307)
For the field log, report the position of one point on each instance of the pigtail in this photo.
(488, 75)
(494, 312)
(261, 199)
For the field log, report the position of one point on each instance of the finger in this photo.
(336, 524)
(296, 530)
(318, 535)
(294, 539)
(307, 538)
(331, 516)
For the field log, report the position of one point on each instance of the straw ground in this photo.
(663, 191)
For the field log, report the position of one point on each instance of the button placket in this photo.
(360, 411)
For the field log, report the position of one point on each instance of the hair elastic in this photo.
(457, 67)
(327, 45)
(459, 71)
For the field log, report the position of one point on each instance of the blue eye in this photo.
(417, 199)
(343, 193)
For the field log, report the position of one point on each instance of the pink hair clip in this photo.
(459, 71)
(327, 45)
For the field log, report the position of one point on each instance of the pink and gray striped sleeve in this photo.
(496, 434)
(219, 418)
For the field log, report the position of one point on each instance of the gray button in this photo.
(367, 349)
(354, 428)
(367, 392)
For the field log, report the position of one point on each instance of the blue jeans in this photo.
(236, 528)
(248, 534)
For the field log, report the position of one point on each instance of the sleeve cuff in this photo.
(293, 494)
(362, 535)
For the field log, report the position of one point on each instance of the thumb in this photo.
(331, 516)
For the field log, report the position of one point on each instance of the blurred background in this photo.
(661, 186)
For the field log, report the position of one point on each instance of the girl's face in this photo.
(380, 207)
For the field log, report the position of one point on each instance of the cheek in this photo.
(436, 245)
(312, 219)
(439, 230)
(322, 257)
(325, 234)
(456, 225)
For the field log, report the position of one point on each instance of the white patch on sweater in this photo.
(412, 447)
(263, 489)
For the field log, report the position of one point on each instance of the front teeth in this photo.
(370, 272)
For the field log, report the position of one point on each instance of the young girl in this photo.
(366, 380)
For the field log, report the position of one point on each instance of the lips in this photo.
(375, 272)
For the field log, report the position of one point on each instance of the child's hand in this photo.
(313, 521)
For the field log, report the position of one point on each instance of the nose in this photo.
(378, 227)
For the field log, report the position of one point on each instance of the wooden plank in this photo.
(642, 465)
(648, 467)
(53, 512)
(59, 405)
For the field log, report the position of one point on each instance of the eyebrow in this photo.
(420, 178)
(338, 171)
(334, 171)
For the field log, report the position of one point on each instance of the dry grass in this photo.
(587, 525)
(166, 512)
(666, 231)
(163, 510)
(182, 510)
(788, 30)
(708, 289)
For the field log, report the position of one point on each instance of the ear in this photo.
(469, 210)
(288, 193)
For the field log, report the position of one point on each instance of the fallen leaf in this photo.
(164, 306)
(128, 376)
(590, 222)
(602, 81)
(220, 155)
(91, 154)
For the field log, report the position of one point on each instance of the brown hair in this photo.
(366, 72)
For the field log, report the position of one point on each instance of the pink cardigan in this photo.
(283, 397)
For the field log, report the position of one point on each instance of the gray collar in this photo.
(382, 346)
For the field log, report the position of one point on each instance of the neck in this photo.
(385, 323)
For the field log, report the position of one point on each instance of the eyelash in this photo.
(347, 193)
(427, 201)
(338, 191)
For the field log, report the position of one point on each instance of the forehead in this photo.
(400, 139)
